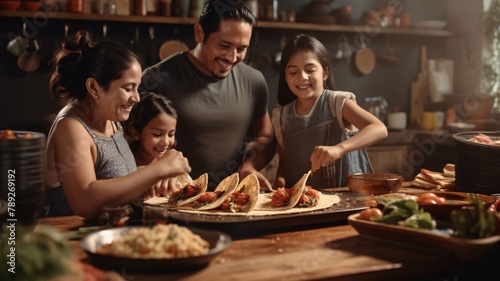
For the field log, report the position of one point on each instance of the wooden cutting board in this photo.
(419, 90)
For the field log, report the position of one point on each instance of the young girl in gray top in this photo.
(317, 127)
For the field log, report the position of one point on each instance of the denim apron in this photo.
(320, 127)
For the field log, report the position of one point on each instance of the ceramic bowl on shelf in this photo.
(31, 5)
(374, 183)
(10, 5)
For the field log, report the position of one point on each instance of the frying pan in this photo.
(364, 59)
(171, 47)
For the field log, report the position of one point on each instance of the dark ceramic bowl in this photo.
(374, 183)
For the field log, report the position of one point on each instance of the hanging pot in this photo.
(29, 61)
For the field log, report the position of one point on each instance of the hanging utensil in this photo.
(105, 31)
(136, 46)
(29, 61)
(343, 49)
(389, 54)
(153, 53)
(277, 56)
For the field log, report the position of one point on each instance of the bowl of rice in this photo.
(161, 247)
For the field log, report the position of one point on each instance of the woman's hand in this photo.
(322, 155)
(173, 163)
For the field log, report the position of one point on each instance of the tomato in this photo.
(8, 135)
(495, 207)
(431, 198)
(370, 213)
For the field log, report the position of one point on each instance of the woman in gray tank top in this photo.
(89, 162)
(316, 127)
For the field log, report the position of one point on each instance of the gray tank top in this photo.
(114, 157)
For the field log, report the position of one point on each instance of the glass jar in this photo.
(114, 216)
(377, 106)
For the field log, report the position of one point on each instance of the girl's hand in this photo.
(322, 155)
(279, 182)
(157, 190)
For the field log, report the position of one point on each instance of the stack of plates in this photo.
(22, 177)
(477, 166)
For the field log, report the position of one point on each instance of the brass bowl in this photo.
(374, 183)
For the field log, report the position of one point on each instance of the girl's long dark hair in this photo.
(303, 42)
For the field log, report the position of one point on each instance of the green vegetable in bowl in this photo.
(405, 213)
(475, 222)
(33, 255)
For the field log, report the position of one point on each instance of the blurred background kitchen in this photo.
(423, 67)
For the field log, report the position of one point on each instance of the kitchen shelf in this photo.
(260, 24)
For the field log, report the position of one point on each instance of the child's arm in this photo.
(371, 131)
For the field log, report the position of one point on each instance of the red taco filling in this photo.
(235, 202)
(207, 197)
(184, 193)
(309, 197)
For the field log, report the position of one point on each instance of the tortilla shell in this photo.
(156, 200)
(228, 185)
(249, 185)
(297, 190)
(182, 180)
(327, 200)
(202, 183)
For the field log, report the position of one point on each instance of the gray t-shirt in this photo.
(214, 115)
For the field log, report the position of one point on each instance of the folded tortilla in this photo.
(249, 185)
(297, 190)
(226, 186)
(201, 183)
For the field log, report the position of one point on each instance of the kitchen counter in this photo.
(334, 251)
(443, 136)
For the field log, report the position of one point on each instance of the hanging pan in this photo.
(364, 59)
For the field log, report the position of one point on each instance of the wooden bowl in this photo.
(374, 183)
(454, 201)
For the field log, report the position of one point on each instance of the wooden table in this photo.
(329, 252)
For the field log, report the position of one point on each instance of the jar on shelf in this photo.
(141, 7)
(253, 5)
(75, 6)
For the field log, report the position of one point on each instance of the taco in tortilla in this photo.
(187, 191)
(285, 198)
(244, 197)
(212, 199)
(309, 198)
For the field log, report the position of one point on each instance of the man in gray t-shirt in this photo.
(223, 125)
